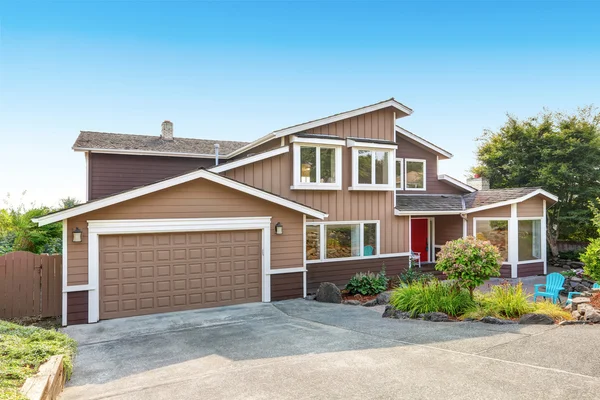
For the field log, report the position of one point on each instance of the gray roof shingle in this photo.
(120, 141)
(448, 202)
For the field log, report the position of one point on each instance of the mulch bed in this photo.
(595, 301)
(359, 297)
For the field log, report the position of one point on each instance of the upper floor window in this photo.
(372, 166)
(415, 174)
(399, 174)
(317, 166)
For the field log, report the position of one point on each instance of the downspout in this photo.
(216, 153)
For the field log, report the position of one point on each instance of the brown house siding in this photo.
(340, 272)
(505, 271)
(113, 173)
(196, 199)
(533, 207)
(408, 149)
(447, 228)
(287, 286)
(77, 308)
(530, 269)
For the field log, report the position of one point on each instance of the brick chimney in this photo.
(166, 131)
(478, 182)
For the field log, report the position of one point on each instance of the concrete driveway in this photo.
(298, 349)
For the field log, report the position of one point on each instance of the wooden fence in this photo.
(30, 285)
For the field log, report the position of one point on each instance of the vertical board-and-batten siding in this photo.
(113, 173)
(275, 175)
(196, 199)
(447, 228)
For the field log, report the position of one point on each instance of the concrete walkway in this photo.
(301, 349)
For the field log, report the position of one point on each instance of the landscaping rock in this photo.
(581, 288)
(496, 321)
(596, 290)
(576, 264)
(436, 317)
(311, 297)
(329, 293)
(536, 319)
(577, 301)
(383, 298)
(572, 323)
(370, 303)
(391, 312)
(592, 315)
(352, 302)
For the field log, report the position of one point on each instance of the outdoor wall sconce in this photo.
(278, 229)
(77, 235)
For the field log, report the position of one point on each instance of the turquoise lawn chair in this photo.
(368, 250)
(552, 287)
(573, 294)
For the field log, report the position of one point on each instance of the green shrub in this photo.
(435, 296)
(503, 301)
(414, 275)
(553, 310)
(591, 259)
(572, 255)
(368, 284)
(469, 261)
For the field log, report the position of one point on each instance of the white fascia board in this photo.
(370, 145)
(338, 117)
(249, 160)
(251, 145)
(456, 182)
(423, 142)
(425, 213)
(147, 153)
(325, 141)
(132, 194)
(513, 201)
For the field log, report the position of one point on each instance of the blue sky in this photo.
(240, 70)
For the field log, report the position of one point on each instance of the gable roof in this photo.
(152, 145)
(442, 154)
(177, 180)
(468, 203)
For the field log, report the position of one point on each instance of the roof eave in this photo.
(443, 154)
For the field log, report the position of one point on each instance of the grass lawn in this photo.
(23, 349)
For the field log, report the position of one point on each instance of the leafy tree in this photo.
(470, 261)
(68, 202)
(591, 256)
(553, 150)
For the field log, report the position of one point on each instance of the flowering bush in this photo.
(469, 261)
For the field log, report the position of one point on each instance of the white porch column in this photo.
(513, 241)
(543, 238)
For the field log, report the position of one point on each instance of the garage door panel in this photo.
(150, 273)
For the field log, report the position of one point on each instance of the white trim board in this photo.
(455, 182)
(116, 227)
(249, 160)
(204, 174)
(146, 153)
(423, 142)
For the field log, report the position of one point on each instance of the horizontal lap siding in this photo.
(275, 175)
(409, 149)
(447, 228)
(113, 173)
(77, 308)
(530, 269)
(531, 208)
(505, 271)
(196, 199)
(340, 272)
(287, 286)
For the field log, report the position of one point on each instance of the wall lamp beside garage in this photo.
(77, 235)
(278, 229)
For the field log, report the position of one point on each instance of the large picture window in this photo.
(317, 167)
(415, 175)
(496, 232)
(339, 240)
(530, 240)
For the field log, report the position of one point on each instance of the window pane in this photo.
(415, 175)
(370, 240)
(342, 240)
(308, 164)
(381, 167)
(313, 249)
(327, 165)
(496, 232)
(530, 240)
(364, 166)
(399, 174)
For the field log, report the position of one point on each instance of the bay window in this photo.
(341, 240)
(415, 174)
(317, 164)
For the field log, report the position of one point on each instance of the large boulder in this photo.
(383, 298)
(436, 317)
(536, 319)
(592, 315)
(329, 293)
(391, 312)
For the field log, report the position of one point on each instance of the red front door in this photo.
(420, 237)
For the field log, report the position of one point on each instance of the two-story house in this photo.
(175, 224)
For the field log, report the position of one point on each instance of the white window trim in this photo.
(407, 160)
(390, 186)
(401, 160)
(137, 226)
(299, 185)
(317, 141)
(323, 243)
(370, 145)
(542, 238)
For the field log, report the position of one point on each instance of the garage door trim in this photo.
(139, 226)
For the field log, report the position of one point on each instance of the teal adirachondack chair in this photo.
(552, 287)
(573, 294)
